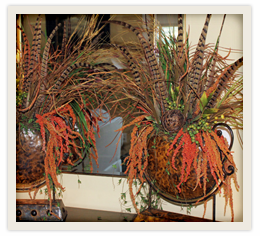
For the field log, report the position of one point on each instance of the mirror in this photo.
(112, 150)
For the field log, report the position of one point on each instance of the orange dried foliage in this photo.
(137, 160)
(62, 139)
(207, 155)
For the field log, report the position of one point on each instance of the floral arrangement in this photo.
(55, 99)
(173, 95)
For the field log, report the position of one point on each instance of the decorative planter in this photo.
(163, 178)
(29, 159)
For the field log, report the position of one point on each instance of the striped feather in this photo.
(159, 82)
(198, 63)
(38, 46)
(26, 53)
(212, 69)
(131, 65)
(149, 34)
(35, 43)
(137, 77)
(33, 60)
(179, 57)
(65, 75)
(44, 66)
(180, 35)
(62, 78)
(223, 78)
(46, 52)
(36, 35)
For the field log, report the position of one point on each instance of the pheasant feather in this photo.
(180, 35)
(222, 80)
(159, 82)
(212, 69)
(33, 61)
(65, 75)
(46, 52)
(26, 53)
(198, 63)
(43, 72)
(131, 64)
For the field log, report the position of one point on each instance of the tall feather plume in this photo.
(131, 64)
(26, 55)
(160, 85)
(33, 61)
(137, 77)
(43, 73)
(180, 58)
(180, 36)
(222, 80)
(35, 42)
(212, 69)
(64, 76)
(198, 63)
(46, 52)
(149, 34)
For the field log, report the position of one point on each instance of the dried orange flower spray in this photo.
(63, 139)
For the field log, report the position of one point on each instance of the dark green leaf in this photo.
(123, 195)
(128, 209)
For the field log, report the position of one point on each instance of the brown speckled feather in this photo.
(26, 53)
(212, 69)
(35, 51)
(46, 52)
(227, 74)
(180, 35)
(65, 75)
(131, 65)
(160, 85)
(198, 63)
(44, 66)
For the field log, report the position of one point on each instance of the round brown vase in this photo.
(164, 179)
(29, 159)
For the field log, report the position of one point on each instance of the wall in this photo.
(103, 193)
